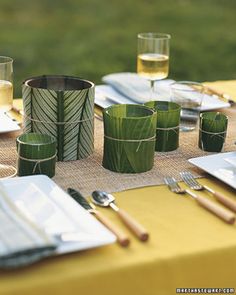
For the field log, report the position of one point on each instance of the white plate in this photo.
(219, 165)
(46, 204)
(106, 96)
(7, 124)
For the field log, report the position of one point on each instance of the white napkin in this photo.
(137, 90)
(21, 241)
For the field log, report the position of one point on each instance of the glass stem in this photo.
(152, 89)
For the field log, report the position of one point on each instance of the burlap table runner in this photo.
(87, 175)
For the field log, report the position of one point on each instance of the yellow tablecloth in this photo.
(188, 247)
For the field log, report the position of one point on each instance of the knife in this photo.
(122, 238)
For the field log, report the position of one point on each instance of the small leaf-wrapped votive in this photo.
(36, 154)
(129, 138)
(212, 131)
(167, 129)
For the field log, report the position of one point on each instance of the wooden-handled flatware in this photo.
(122, 238)
(214, 208)
(220, 94)
(195, 185)
(104, 199)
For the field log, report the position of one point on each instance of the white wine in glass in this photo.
(6, 99)
(6, 87)
(153, 57)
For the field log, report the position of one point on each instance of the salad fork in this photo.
(214, 208)
(195, 185)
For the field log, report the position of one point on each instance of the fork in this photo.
(195, 185)
(214, 208)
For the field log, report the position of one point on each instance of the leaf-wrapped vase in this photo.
(62, 107)
(212, 131)
(129, 138)
(167, 129)
(36, 154)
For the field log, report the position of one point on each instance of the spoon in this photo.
(104, 199)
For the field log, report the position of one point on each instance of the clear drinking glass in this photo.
(6, 99)
(153, 57)
(6, 79)
(189, 96)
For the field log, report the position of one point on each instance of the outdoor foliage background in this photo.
(91, 38)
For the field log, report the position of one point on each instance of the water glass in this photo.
(6, 79)
(189, 95)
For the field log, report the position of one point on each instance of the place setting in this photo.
(79, 143)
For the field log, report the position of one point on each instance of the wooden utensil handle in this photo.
(221, 212)
(226, 201)
(229, 203)
(122, 238)
(137, 228)
(214, 91)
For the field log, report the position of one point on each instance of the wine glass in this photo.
(6, 99)
(6, 88)
(153, 57)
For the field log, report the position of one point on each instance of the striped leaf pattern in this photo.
(44, 109)
(74, 138)
(78, 137)
(26, 94)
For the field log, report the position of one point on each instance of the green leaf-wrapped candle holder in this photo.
(212, 131)
(36, 154)
(129, 138)
(167, 129)
(62, 107)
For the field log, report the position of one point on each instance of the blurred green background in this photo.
(91, 38)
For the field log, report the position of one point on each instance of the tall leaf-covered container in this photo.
(62, 107)
(129, 138)
(168, 118)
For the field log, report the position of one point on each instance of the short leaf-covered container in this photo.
(36, 154)
(129, 138)
(212, 131)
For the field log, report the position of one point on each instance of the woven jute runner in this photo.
(88, 174)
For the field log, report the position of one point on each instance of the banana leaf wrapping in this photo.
(167, 129)
(36, 154)
(212, 131)
(129, 138)
(62, 107)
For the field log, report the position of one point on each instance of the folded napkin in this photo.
(137, 88)
(22, 242)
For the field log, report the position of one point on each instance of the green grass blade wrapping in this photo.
(168, 117)
(34, 146)
(212, 133)
(62, 107)
(126, 126)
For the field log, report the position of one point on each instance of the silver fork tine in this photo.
(190, 181)
(173, 185)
